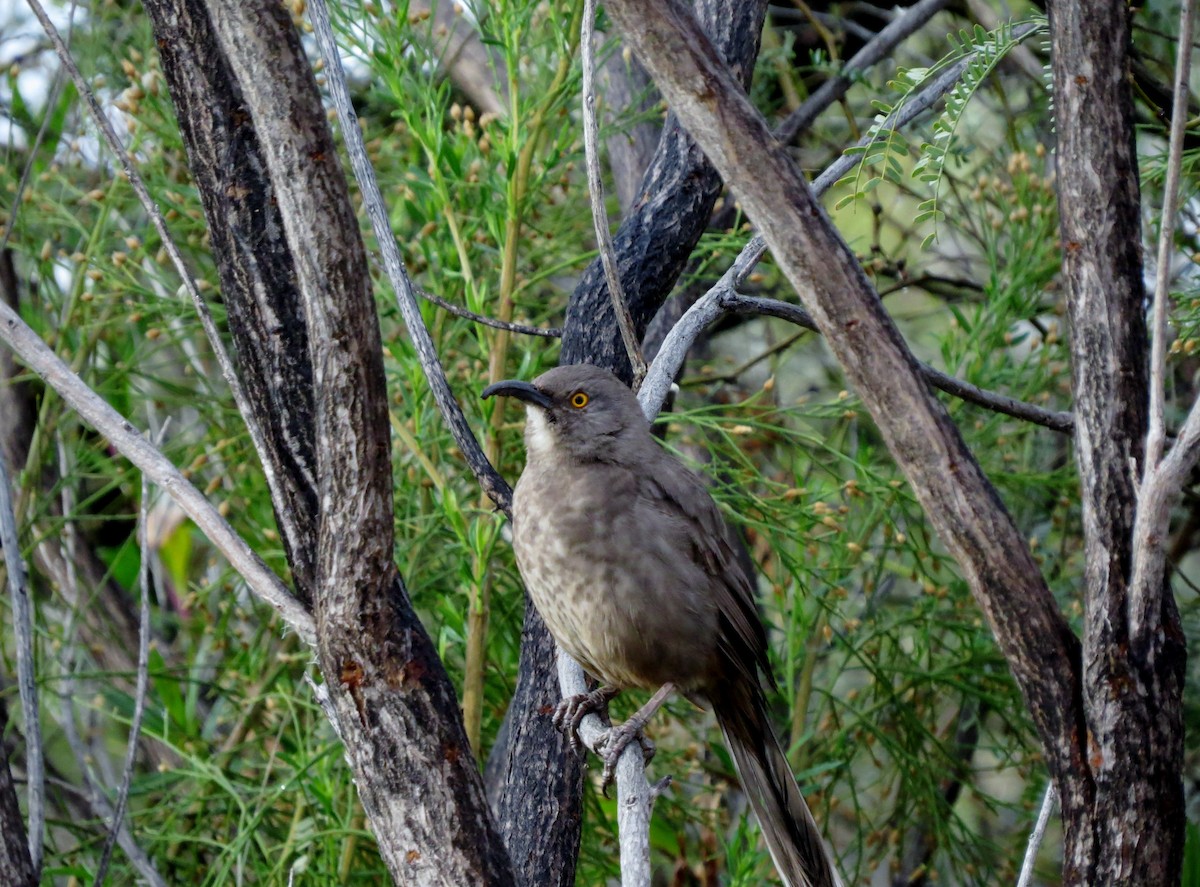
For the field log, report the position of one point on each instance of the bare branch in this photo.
(1156, 435)
(596, 198)
(143, 674)
(1036, 836)
(259, 578)
(635, 795)
(18, 587)
(735, 303)
(495, 323)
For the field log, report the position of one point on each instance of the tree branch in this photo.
(495, 323)
(1036, 836)
(260, 580)
(1128, 782)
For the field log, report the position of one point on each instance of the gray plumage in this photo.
(629, 562)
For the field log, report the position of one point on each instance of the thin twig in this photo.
(18, 587)
(189, 284)
(1064, 423)
(1039, 832)
(259, 578)
(91, 792)
(880, 46)
(496, 323)
(55, 91)
(591, 150)
(143, 673)
(335, 78)
(723, 299)
(1156, 435)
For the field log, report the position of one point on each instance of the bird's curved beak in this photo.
(521, 391)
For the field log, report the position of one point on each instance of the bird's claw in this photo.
(571, 711)
(612, 743)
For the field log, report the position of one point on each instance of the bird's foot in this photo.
(572, 710)
(612, 743)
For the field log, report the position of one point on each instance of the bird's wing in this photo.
(679, 490)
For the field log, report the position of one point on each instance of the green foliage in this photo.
(891, 153)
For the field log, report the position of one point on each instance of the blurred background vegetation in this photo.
(906, 730)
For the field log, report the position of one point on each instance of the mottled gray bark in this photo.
(294, 275)
(256, 268)
(1123, 812)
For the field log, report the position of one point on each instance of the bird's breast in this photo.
(608, 582)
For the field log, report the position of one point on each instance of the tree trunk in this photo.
(1123, 813)
(294, 275)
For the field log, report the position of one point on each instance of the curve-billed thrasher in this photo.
(629, 561)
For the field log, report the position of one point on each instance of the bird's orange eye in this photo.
(579, 400)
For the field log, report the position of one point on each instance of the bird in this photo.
(633, 568)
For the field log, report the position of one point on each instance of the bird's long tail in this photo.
(791, 833)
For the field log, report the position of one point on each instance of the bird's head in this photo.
(581, 412)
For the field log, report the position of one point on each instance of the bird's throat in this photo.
(540, 439)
